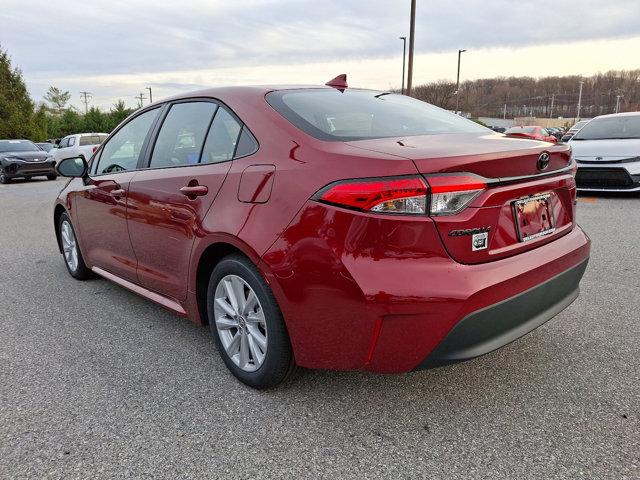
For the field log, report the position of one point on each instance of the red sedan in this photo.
(531, 133)
(328, 227)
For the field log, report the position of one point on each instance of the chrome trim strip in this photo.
(501, 181)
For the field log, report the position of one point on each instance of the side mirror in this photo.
(75, 167)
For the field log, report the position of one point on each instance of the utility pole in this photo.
(140, 97)
(618, 97)
(86, 96)
(412, 31)
(458, 80)
(553, 97)
(404, 58)
(579, 101)
(150, 96)
(504, 112)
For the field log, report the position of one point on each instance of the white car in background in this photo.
(78, 145)
(607, 150)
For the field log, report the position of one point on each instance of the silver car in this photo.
(607, 151)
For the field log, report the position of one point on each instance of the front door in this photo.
(168, 201)
(102, 203)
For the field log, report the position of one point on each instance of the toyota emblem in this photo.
(543, 161)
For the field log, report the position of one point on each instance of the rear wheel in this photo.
(3, 178)
(71, 250)
(247, 324)
(52, 177)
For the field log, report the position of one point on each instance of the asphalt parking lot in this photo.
(96, 382)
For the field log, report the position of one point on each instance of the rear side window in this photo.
(72, 141)
(182, 134)
(122, 151)
(247, 144)
(222, 138)
(331, 114)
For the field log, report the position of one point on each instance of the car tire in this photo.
(71, 250)
(3, 178)
(249, 324)
(52, 177)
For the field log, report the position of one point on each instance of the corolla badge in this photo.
(599, 159)
(543, 160)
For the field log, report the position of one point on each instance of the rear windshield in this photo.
(608, 128)
(329, 114)
(521, 130)
(17, 146)
(92, 139)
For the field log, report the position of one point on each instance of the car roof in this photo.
(625, 114)
(252, 90)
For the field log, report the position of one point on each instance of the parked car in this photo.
(531, 132)
(498, 129)
(45, 146)
(573, 130)
(23, 159)
(556, 132)
(607, 150)
(324, 227)
(78, 145)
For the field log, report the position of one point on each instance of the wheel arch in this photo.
(209, 256)
(57, 213)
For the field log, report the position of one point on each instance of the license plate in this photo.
(533, 217)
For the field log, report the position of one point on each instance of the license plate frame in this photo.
(522, 216)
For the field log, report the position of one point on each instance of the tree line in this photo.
(21, 117)
(542, 97)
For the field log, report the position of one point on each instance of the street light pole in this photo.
(458, 80)
(579, 101)
(150, 97)
(618, 102)
(412, 31)
(404, 57)
(553, 97)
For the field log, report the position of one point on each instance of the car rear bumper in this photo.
(381, 294)
(497, 325)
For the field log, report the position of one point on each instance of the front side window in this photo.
(331, 114)
(64, 143)
(222, 138)
(123, 149)
(182, 134)
(610, 128)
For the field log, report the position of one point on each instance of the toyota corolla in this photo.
(328, 227)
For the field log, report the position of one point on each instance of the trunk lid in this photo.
(511, 168)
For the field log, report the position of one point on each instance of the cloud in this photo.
(84, 40)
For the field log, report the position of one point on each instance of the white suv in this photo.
(78, 145)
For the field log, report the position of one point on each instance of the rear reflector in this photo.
(406, 195)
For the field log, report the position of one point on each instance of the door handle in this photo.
(194, 191)
(117, 193)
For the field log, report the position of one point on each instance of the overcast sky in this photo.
(116, 48)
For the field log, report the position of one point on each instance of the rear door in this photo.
(190, 159)
(102, 202)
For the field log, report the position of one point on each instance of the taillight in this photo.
(450, 194)
(93, 150)
(443, 194)
(405, 195)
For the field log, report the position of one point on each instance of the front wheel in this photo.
(3, 178)
(52, 177)
(247, 324)
(71, 250)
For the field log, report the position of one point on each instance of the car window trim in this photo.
(145, 144)
(220, 104)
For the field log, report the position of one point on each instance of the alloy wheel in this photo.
(69, 245)
(240, 323)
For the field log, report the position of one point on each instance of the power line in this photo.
(86, 96)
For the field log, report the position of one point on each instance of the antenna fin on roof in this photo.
(340, 82)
